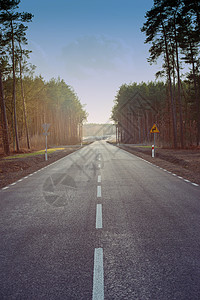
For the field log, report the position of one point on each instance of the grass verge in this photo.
(41, 152)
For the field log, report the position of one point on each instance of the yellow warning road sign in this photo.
(154, 129)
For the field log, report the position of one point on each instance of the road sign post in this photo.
(46, 128)
(46, 158)
(154, 130)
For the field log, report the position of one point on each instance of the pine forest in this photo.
(28, 101)
(172, 102)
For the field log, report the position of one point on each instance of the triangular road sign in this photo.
(46, 126)
(154, 129)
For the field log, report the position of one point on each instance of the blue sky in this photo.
(94, 45)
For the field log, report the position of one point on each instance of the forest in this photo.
(172, 102)
(27, 101)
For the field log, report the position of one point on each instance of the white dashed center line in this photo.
(98, 275)
(99, 178)
(99, 216)
(98, 191)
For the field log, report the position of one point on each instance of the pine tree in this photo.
(11, 20)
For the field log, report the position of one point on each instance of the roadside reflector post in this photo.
(153, 151)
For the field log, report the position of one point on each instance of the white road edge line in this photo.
(98, 191)
(98, 275)
(186, 180)
(99, 178)
(7, 187)
(99, 216)
(13, 183)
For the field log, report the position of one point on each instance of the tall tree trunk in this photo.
(196, 95)
(6, 145)
(23, 100)
(170, 89)
(14, 88)
(179, 88)
(197, 13)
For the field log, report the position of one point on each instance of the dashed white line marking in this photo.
(20, 180)
(186, 180)
(5, 188)
(98, 191)
(25, 177)
(13, 183)
(99, 178)
(98, 275)
(99, 166)
(195, 184)
(99, 216)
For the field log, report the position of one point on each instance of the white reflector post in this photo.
(153, 151)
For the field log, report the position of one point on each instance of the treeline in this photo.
(94, 129)
(172, 29)
(27, 102)
(52, 102)
(139, 106)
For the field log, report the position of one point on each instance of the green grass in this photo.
(41, 152)
(144, 146)
(139, 146)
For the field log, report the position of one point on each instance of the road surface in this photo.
(100, 223)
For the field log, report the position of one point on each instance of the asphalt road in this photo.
(100, 223)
